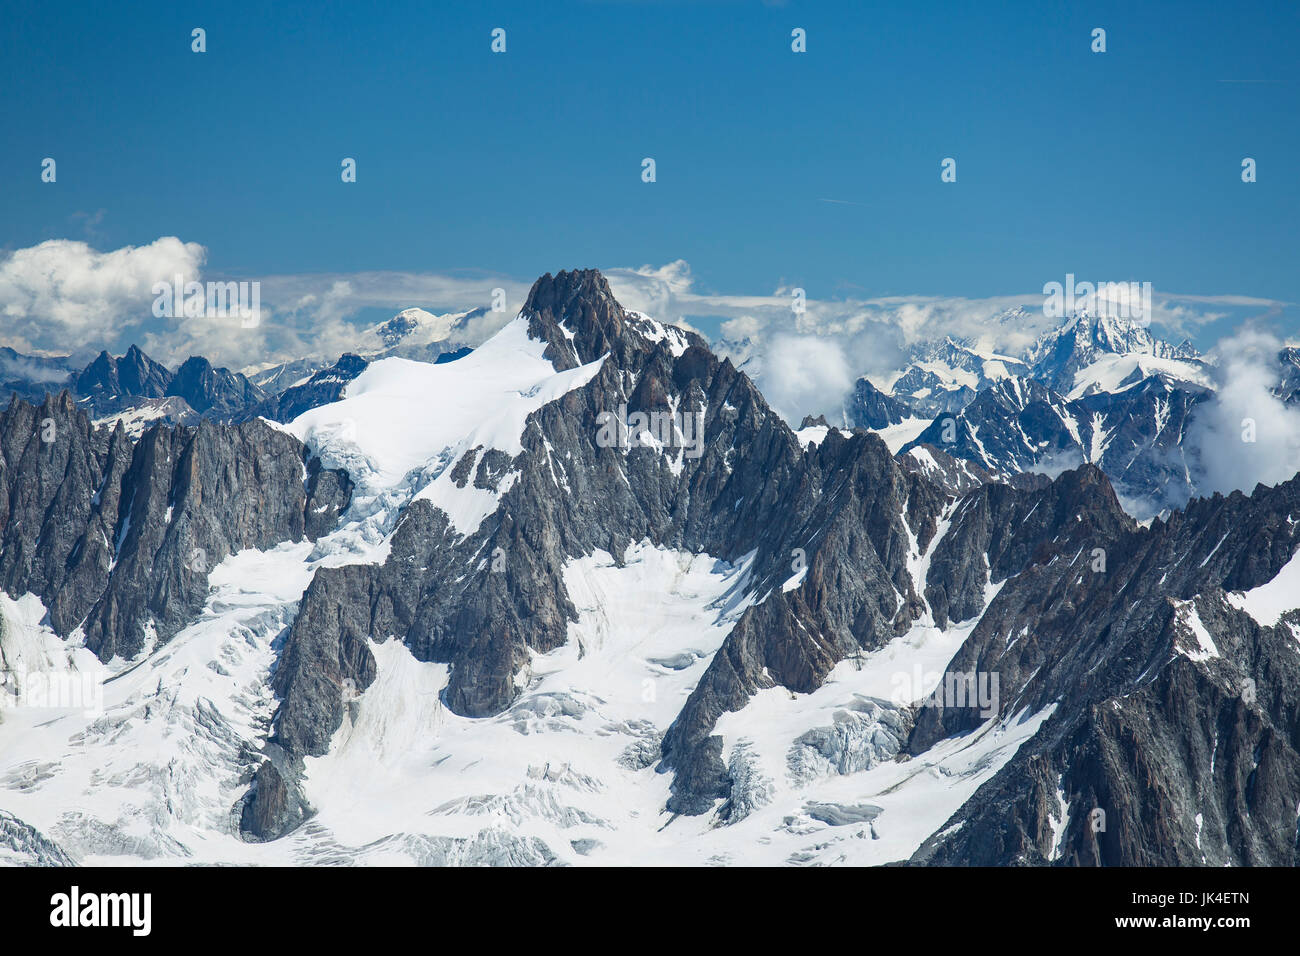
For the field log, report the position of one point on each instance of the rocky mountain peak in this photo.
(1085, 339)
(211, 390)
(98, 373)
(133, 375)
(577, 313)
(770, 576)
(869, 407)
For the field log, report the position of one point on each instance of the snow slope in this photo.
(1114, 373)
(565, 775)
(153, 775)
(398, 415)
(1268, 602)
(896, 436)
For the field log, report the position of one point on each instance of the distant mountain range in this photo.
(1098, 389)
(138, 391)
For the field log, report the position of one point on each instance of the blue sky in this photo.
(1115, 166)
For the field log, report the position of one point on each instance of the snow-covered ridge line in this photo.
(403, 423)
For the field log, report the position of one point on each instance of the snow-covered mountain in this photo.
(1288, 386)
(946, 376)
(412, 333)
(1103, 353)
(1134, 435)
(1100, 390)
(1087, 354)
(138, 391)
(415, 328)
(581, 597)
(274, 377)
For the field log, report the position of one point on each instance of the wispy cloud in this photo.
(843, 202)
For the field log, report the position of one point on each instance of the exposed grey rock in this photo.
(869, 407)
(1021, 425)
(213, 392)
(134, 375)
(998, 531)
(1142, 731)
(329, 494)
(138, 415)
(955, 475)
(1094, 615)
(721, 503)
(271, 808)
(190, 498)
(321, 388)
(119, 537)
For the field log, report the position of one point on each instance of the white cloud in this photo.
(63, 296)
(1245, 435)
(804, 375)
(63, 291)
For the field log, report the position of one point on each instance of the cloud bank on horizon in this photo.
(63, 296)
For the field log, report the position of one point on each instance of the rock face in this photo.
(956, 476)
(1174, 739)
(213, 392)
(834, 531)
(856, 595)
(486, 628)
(871, 408)
(117, 537)
(133, 375)
(139, 391)
(1098, 389)
(138, 415)
(843, 506)
(1021, 425)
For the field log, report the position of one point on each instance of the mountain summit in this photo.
(1061, 358)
